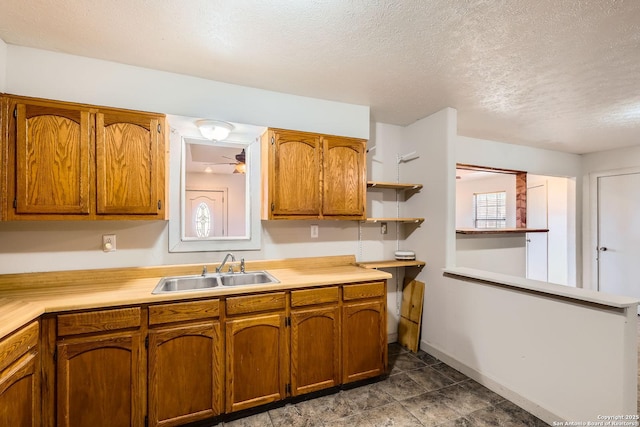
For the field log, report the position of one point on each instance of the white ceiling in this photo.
(563, 75)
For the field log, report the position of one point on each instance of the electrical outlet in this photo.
(383, 228)
(109, 242)
(314, 231)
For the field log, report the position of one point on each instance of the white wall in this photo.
(593, 163)
(536, 161)
(3, 66)
(525, 346)
(466, 188)
(45, 74)
(517, 157)
(505, 254)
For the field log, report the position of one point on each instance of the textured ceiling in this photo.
(563, 75)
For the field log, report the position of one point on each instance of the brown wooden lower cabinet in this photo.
(364, 339)
(256, 362)
(185, 363)
(20, 379)
(101, 368)
(315, 340)
(101, 381)
(179, 362)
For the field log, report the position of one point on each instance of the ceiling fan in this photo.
(240, 164)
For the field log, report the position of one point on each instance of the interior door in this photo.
(537, 243)
(619, 234)
(205, 214)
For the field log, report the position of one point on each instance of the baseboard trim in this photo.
(493, 385)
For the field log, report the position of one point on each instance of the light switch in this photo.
(314, 231)
(109, 242)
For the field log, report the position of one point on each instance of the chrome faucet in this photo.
(233, 259)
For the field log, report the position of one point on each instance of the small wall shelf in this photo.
(408, 189)
(397, 186)
(390, 264)
(403, 220)
(500, 230)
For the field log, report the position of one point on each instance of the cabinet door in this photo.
(185, 373)
(101, 381)
(295, 184)
(20, 394)
(256, 361)
(364, 340)
(344, 177)
(315, 349)
(129, 163)
(52, 154)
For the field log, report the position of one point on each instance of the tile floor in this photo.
(420, 391)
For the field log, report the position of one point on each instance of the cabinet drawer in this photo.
(98, 321)
(17, 344)
(314, 296)
(365, 290)
(183, 311)
(255, 303)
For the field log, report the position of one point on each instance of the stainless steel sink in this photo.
(248, 278)
(186, 283)
(201, 283)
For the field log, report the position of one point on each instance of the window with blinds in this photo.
(490, 210)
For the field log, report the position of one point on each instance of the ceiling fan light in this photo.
(240, 168)
(214, 130)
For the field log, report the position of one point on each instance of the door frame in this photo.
(592, 246)
(545, 185)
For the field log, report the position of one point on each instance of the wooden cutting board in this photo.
(411, 315)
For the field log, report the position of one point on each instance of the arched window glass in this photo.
(203, 220)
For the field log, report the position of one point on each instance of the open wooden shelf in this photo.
(403, 220)
(395, 185)
(500, 230)
(390, 263)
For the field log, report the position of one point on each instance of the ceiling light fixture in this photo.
(240, 168)
(214, 130)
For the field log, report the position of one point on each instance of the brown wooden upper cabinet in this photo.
(73, 161)
(312, 176)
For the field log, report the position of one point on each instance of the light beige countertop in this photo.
(24, 297)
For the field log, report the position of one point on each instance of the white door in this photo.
(537, 249)
(205, 214)
(619, 234)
